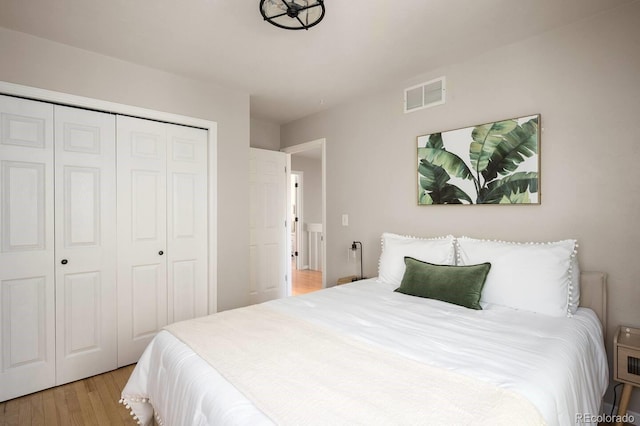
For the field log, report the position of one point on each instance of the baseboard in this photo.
(636, 416)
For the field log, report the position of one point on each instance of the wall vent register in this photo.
(425, 95)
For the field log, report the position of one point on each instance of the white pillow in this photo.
(537, 277)
(440, 251)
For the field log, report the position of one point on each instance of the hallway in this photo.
(305, 281)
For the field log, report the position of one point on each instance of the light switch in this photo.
(345, 220)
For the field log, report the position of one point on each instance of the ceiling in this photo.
(359, 47)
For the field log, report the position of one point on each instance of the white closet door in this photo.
(187, 222)
(85, 204)
(27, 334)
(142, 239)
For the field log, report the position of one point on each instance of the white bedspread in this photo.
(558, 364)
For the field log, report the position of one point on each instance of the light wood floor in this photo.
(92, 401)
(305, 281)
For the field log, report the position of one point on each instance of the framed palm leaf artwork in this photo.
(492, 163)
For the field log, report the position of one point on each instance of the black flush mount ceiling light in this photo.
(292, 14)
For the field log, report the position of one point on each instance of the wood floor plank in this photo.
(108, 401)
(10, 413)
(37, 409)
(100, 413)
(114, 389)
(73, 403)
(81, 391)
(25, 411)
(62, 408)
(49, 406)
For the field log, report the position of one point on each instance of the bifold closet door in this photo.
(187, 232)
(142, 234)
(85, 205)
(27, 333)
(162, 229)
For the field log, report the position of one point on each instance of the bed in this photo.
(363, 353)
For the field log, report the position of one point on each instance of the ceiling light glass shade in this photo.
(292, 14)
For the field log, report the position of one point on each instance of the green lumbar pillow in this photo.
(461, 285)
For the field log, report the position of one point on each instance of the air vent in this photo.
(425, 95)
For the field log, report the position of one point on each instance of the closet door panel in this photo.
(142, 239)
(187, 222)
(23, 201)
(146, 295)
(85, 243)
(27, 334)
(82, 313)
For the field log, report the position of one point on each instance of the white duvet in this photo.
(558, 364)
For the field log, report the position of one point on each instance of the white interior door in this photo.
(27, 334)
(142, 234)
(85, 205)
(268, 257)
(187, 222)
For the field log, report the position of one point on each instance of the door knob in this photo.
(160, 252)
(64, 261)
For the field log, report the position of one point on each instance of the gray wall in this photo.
(583, 79)
(264, 134)
(36, 62)
(312, 197)
(312, 194)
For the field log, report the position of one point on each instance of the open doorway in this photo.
(307, 216)
(306, 269)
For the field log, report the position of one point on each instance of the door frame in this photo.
(37, 94)
(300, 210)
(295, 149)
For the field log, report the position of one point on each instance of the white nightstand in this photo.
(626, 363)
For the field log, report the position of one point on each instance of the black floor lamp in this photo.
(354, 247)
